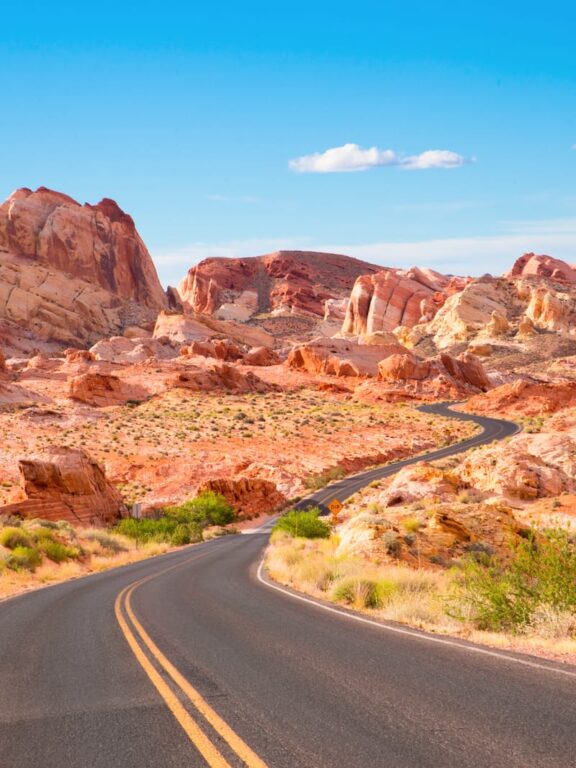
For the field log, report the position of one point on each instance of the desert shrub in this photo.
(208, 508)
(106, 541)
(186, 533)
(56, 551)
(15, 537)
(315, 482)
(147, 529)
(391, 542)
(43, 534)
(24, 558)
(363, 592)
(411, 524)
(303, 524)
(540, 578)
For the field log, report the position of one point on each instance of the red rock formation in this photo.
(249, 496)
(102, 390)
(218, 376)
(403, 367)
(462, 374)
(529, 398)
(220, 349)
(297, 281)
(532, 265)
(394, 297)
(66, 484)
(341, 357)
(96, 243)
(261, 356)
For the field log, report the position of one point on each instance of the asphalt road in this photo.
(190, 660)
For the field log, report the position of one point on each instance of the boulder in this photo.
(341, 357)
(261, 356)
(102, 390)
(66, 484)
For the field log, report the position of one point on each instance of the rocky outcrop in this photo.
(98, 244)
(119, 349)
(532, 265)
(186, 328)
(526, 397)
(219, 349)
(66, 484)
(102, 390)
(551, 310)
(481, 308)
(261, 356)
(394, 297)
(341, 357)
(299, 282)
(71, 274)
(529, 467)
(218, 376)
(462, 374)
(249, 496)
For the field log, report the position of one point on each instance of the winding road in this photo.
(194, 659)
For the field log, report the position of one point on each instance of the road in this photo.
(190, 660)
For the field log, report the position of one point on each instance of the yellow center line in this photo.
(202, 743)
(196, 735)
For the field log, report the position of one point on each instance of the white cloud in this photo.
(351, 157)
(433, 158)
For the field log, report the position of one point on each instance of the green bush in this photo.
(147, 529)
(58, 552)
(186, 533)
(24, 558)
(496, 597)
(15, 537)
(363, 593)
(303, 524)
(182, 524)
(208, 508)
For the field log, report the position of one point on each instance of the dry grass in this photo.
(100, 551)
(402, 594)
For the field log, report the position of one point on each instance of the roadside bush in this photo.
(186, 533)
(541, 578)
(15, 537)
(24, 558)
(58, 552)
(315, 482)
(147, 529)
(208, 508)
(303, 524)
(106, 541)
(363, 592)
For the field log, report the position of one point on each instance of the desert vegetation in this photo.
(527, 601)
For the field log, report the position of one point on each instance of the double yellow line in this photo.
(138, 639)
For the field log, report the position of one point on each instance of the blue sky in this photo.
(190, 116)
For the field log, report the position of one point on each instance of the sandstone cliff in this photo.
(395, 297)
(283, 282)
(71, 273)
